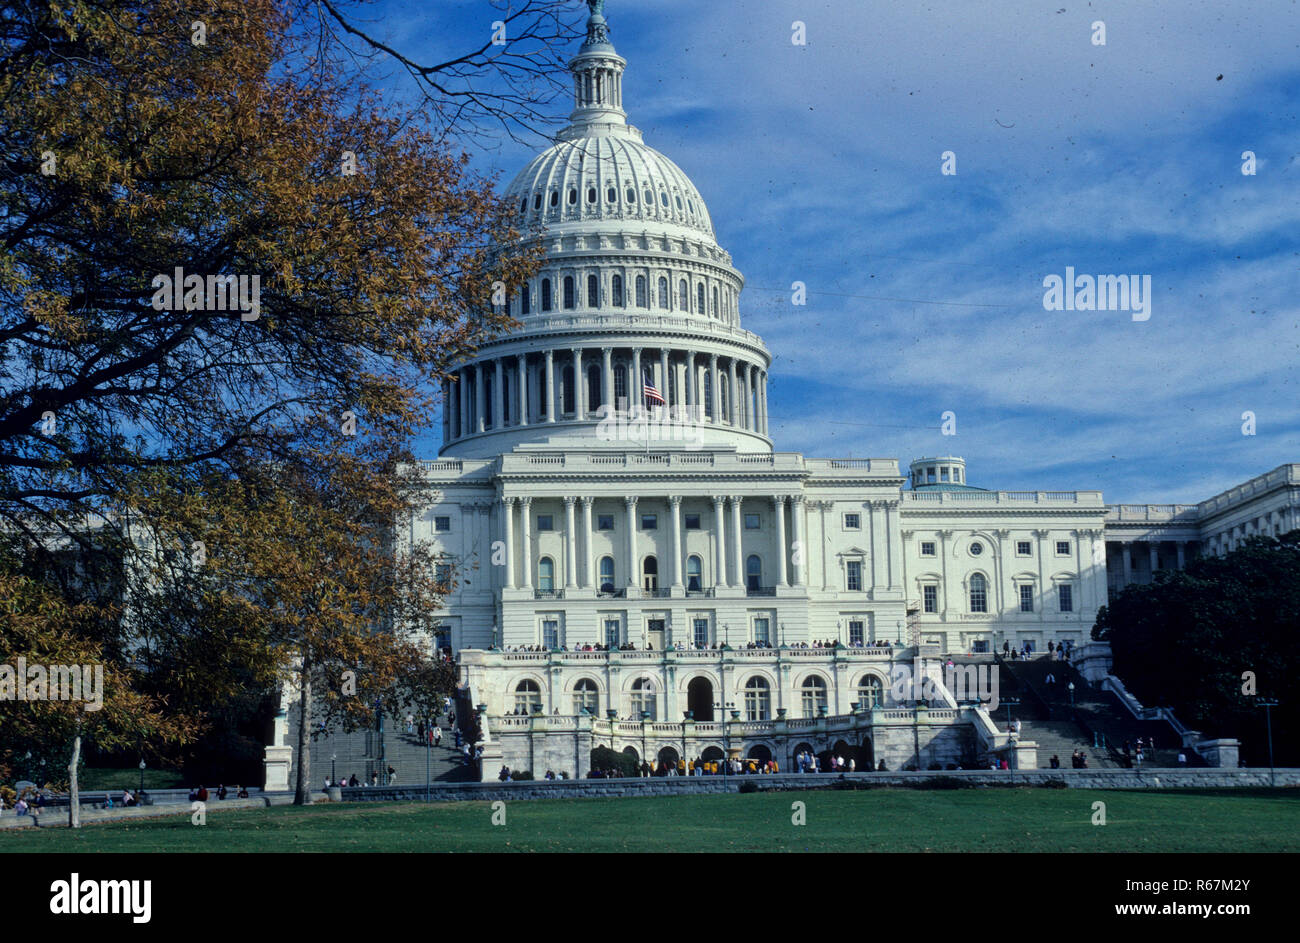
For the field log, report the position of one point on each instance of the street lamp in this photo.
(428, 750)
(1070, 688)
(141, 774)
(645, 720)
(1010, 702)
(334, 779)
(1268, 704)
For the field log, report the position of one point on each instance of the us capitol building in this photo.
(633, 564)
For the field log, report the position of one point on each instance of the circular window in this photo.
(976, 548)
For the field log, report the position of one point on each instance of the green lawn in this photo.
(873, 820)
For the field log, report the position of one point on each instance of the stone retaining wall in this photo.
(682, 785)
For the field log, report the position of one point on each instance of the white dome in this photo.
(608, 177)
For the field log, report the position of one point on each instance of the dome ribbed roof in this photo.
(608, 177)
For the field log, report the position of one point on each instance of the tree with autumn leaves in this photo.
(242, 465)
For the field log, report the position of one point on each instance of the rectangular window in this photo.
(1024, 548)
(701, 633)
(854, 576)
(550, 633)
(441, 525)
(692, 522)
(1026, 599)
(762, 632)
(751, 522)
(649, 521)
(927, 548)
(611, 633)
(604, 522)
(852, 521)
(856, 631)
(442, 573)
(545, 522)
(1065, 597)
(930, 597)
(1062, 548)
(980, 646)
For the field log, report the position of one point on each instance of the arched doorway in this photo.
(667, 758)
(792, 762)
(631, 751)
(760, 752)
(866, 755)
(699, 699)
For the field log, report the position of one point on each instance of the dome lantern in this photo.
(597, 76)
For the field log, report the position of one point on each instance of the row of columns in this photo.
(1153, 548)
(676, 562)
(465, 409)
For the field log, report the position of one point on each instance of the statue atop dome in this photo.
(597, 30)
(597, 7)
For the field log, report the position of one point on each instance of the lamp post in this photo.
(1070, 687)
(1268, 704)
(645, 720)
(334, 779)
(141, 774)
(428, 750)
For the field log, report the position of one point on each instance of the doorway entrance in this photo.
(655, 634)
(699, 699)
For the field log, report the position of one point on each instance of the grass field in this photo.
(875, 820)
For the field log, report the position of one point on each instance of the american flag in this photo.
(652, 394)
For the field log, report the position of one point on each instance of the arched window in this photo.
(546, 294)
(593, 385)
(606, 574)
(663, 293)
(650, 573)
(708, 393)
(724, 394)
(631, 195)
(871, 693)
(593, 291)
(591, 194)
(813, 696)
(616, 291)
(586, 697)
(694, 578)
(611, 195)
(758, 699)
(573, 196)
(683, 296)
(643, 698)
(526, 301)
(546, 575)
(570, 293)
(663, 198)
(753, 572)
(537, 201)
(699, 298)
(649, 198)
(641, 300)
(555, 198)
(523, 205)
(979, 594)
(528, 697)
(715, 302)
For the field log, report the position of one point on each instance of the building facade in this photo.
(632, 564)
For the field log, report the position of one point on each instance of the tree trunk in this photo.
(74, 794)
(302, 790)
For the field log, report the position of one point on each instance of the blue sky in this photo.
(821, 164)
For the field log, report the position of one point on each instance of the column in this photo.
(733, 399)
(824, 550)
(720, 555)
(715, 400)
(1128, 563)
(736, 549)
(526, 538)
(796, 527)
(1154, 549)
(499, 396)
(762, 395)
(636, 389)
(778, 506)
(1182, 553)
(480, 394)
(579, 387)
(631, 542)
(690, 384)
(663, 375)
(570, 544)
(523, 390)
(463, 401)
(446, 411)
(607, 378)
(550, 386)
(588, 572)
(675, 504)
(508, 527)
(748, 416)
